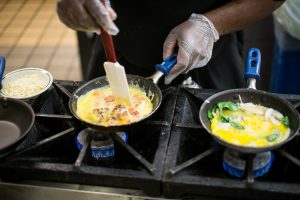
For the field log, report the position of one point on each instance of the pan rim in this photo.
(115, 126)
(29, 108)
(247, 149)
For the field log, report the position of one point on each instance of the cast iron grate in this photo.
(194, 161)
(50, 153)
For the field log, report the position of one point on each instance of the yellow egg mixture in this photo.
(255, 129)
(99, 106)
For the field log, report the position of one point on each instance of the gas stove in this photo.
(169, 155)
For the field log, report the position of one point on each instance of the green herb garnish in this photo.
(225, 105)
(210, 115)
(285, 121)
(228, 105)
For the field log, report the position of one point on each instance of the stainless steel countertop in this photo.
(36, 190)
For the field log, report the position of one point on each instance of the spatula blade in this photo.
(117, 80)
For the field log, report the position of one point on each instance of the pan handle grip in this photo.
(253, 64)
(2, 68)
(166, 66)
(108, 44)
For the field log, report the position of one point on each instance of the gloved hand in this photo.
(195, 39)
(87, 15)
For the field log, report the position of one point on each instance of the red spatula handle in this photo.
(108, 44)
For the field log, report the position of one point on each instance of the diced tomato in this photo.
(96, 93)
(132, 111)
(109, 98)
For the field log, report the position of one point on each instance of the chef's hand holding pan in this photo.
(195, 39)
(87, 15)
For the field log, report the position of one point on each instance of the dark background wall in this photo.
(261, 35)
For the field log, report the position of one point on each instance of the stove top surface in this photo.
(168, 155)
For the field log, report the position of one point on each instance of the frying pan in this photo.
(16, 118)
(250, 94)
(149, 85)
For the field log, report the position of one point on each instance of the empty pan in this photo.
(250, 94)
(16, 118)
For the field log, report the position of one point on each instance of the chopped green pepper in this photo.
(236, 125)
(224, 118)
(274, 136)
(227, 119)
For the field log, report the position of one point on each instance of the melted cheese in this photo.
(257, 129)
(99, 106)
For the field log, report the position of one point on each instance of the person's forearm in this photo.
(238, 13)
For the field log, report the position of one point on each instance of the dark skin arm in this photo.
(236, 14)
(195, 40)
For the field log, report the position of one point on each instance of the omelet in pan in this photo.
(100, 107)
(248, 124)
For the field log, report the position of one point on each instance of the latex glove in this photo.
(87, 15)
(195, 39)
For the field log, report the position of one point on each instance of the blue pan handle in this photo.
(166, 66)
(253, 64)
(2, 68)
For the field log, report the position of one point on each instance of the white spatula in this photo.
(114, 71)
(117, 80)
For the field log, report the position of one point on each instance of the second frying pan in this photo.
(250, 94)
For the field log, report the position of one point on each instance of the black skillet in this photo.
(149, 85)
(250, 94)
(16, 118)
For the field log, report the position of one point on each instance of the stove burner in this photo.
(101, 145)
(234, 163)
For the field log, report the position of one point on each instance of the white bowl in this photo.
(34, 81)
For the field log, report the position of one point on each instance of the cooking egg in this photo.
(100, 107)
(256, 128)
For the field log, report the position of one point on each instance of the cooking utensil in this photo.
(114, 71)
(117, 80)
(250, 94)
(16, 119)
(146, 84)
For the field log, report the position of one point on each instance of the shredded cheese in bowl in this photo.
(26, 83)
(24, 86)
